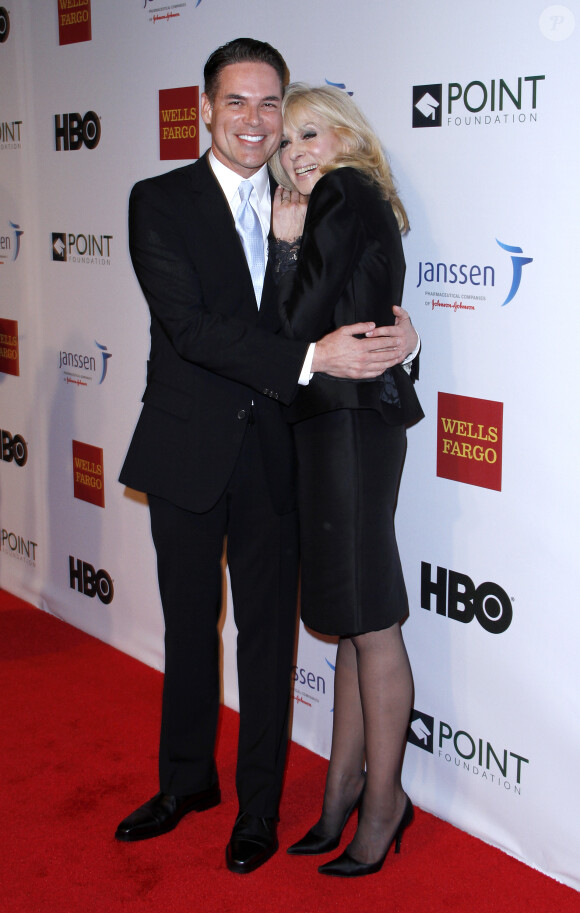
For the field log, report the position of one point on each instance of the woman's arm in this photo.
(330, 248)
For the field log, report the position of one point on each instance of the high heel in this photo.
(345, 866)
(312, 843)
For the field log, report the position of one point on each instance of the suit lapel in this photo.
(269, 305)
(213, 211)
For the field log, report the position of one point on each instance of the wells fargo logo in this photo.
(74, 21)
(178, 123)
(88, 473)
(9, 358)
(469, 440)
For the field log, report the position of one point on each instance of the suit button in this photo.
(242, 414)
(266, 392)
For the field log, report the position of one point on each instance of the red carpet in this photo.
(78, 737)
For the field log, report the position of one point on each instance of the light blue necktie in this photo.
(250, 231)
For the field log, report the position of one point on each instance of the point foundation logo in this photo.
(85, 249)
(178, 123)
(10, 134)
(478, 103)
(427, 106)
(88, 473)
(9, 351)
(18, 547)
(478, 757)
(469, 440)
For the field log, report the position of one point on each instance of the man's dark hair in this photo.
(242, 50)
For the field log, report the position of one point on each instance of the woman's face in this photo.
(308, 146)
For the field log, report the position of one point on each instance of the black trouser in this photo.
(262, 554)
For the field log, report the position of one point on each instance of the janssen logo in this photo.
(468, 754)
(478, 103)
(449, 285)
(84, 368)
(161, 12)
(147, 3)
(308, 687)
(338, 85)
(10, 243)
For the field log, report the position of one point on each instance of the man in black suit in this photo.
(213, 452)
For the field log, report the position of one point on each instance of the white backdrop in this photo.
(475, 103)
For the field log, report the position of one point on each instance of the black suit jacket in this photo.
(351, 268)
(212, 351)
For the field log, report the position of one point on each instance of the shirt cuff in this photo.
(407, 362)
(306, 373)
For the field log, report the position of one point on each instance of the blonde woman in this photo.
(347, 266)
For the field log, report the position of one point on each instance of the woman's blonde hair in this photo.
(363, 149)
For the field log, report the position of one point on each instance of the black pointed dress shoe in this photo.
(253, 842)
(164, 812)
(346, 866)
(314, 843)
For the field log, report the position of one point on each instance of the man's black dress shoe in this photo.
(252, 843)
(164, 812)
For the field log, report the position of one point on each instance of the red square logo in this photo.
(88, 473)
(74, 21)
(9, 357)
(469, 440)
(178, 123)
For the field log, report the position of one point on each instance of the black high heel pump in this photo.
(347, 867)
(312, 843)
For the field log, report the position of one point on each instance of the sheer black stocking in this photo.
(345, 777)
(373, 698)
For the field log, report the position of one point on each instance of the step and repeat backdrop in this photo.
(476, 105)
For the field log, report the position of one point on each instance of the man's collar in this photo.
(229, 180)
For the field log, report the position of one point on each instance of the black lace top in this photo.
(284, 256)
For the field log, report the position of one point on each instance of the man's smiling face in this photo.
(245, 117)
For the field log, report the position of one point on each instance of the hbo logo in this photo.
(13, 448)
(76, 130)
(458, 598)
(89, 582)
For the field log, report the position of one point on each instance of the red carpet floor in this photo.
(78, 736)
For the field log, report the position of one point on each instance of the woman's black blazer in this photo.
(351, 268)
